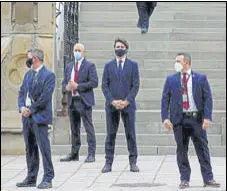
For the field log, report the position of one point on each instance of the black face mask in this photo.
(29, 62)
(120, 52)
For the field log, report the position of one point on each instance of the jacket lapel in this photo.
(178, 87)
(194, 84)
(115, 67)
(70, 70)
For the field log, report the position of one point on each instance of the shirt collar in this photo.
(80, 61)
(189, 71)
(39, 68)
(123, 60)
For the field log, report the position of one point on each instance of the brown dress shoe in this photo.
(211, 183)
(184, 184)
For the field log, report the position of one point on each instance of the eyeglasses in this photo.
(120, 47)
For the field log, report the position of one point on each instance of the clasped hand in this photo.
(120, 104)
(72, 85)
(25, 111)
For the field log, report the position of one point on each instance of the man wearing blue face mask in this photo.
(186, 106)
(120, 85)
(79, 80)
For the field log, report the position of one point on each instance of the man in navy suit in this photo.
(120, 85)
(79, 81)
(35, 105)
(187, 97)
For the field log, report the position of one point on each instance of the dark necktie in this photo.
(34, 76)
(185, 92)
(75, 76)
(120, 70)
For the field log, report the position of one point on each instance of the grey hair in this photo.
(186, 56)
(38, 53)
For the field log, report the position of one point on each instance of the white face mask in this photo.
(178, 67)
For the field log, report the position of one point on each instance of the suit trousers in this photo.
(112, 120)
(145, 10)
(79, 110)
(192, 127)
(36, 135)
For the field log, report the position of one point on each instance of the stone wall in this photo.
(24, 25)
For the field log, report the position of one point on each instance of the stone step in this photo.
(215, 151)
(157, 24)
(141, 127)
(151, 116)
(151, 36)
(143, 104)
(152, 30)
(153, 94)
(166, 64)
(108, 16)
(203, 46)
(212, 56)
(161, 6)
(152, 83)
(152, 73)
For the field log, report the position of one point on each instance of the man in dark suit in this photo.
(79, 80)
(187, 96)
(145, 10)
(120, 84)
(35, 105)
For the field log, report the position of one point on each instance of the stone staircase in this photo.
(198, 28)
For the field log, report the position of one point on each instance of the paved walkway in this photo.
(157, 173)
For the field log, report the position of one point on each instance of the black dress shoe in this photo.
(184, 184)
(44, 185)
(90, 158)
(27, 183)
(70, 157)
(212, 183)
(134, 168)
(106, 168)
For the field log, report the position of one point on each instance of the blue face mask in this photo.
(77, 55)
(120, 52)
(29, 62)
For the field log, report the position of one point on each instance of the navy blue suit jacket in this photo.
(87, 80)
(130, 83)
(41, 93)
(172, 97)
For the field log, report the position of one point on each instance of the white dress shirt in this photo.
(73, 73)
(28, 102)
(122, 63)
(192, 106)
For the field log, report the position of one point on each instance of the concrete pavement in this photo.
(157, 173)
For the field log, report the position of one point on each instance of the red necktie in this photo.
(185, 92)
(75, 76)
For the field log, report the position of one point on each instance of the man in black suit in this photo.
(79, 80)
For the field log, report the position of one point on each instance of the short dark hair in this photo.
(186, 56)
(123, 41)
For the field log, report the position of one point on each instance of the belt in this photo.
(76, 98)
(191, 114)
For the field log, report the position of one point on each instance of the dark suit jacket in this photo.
(172, 97)
(41, 94)
(87, 80)
(130, 83)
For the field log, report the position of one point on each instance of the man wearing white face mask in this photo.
(187, 98)
(79, 80)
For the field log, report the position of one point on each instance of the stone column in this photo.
(24, 25)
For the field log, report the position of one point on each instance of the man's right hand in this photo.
(168, 125)
(116, 103)
(25, 111)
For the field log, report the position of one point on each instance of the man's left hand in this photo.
(74, 85)
(124, 104)
(206, 123)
